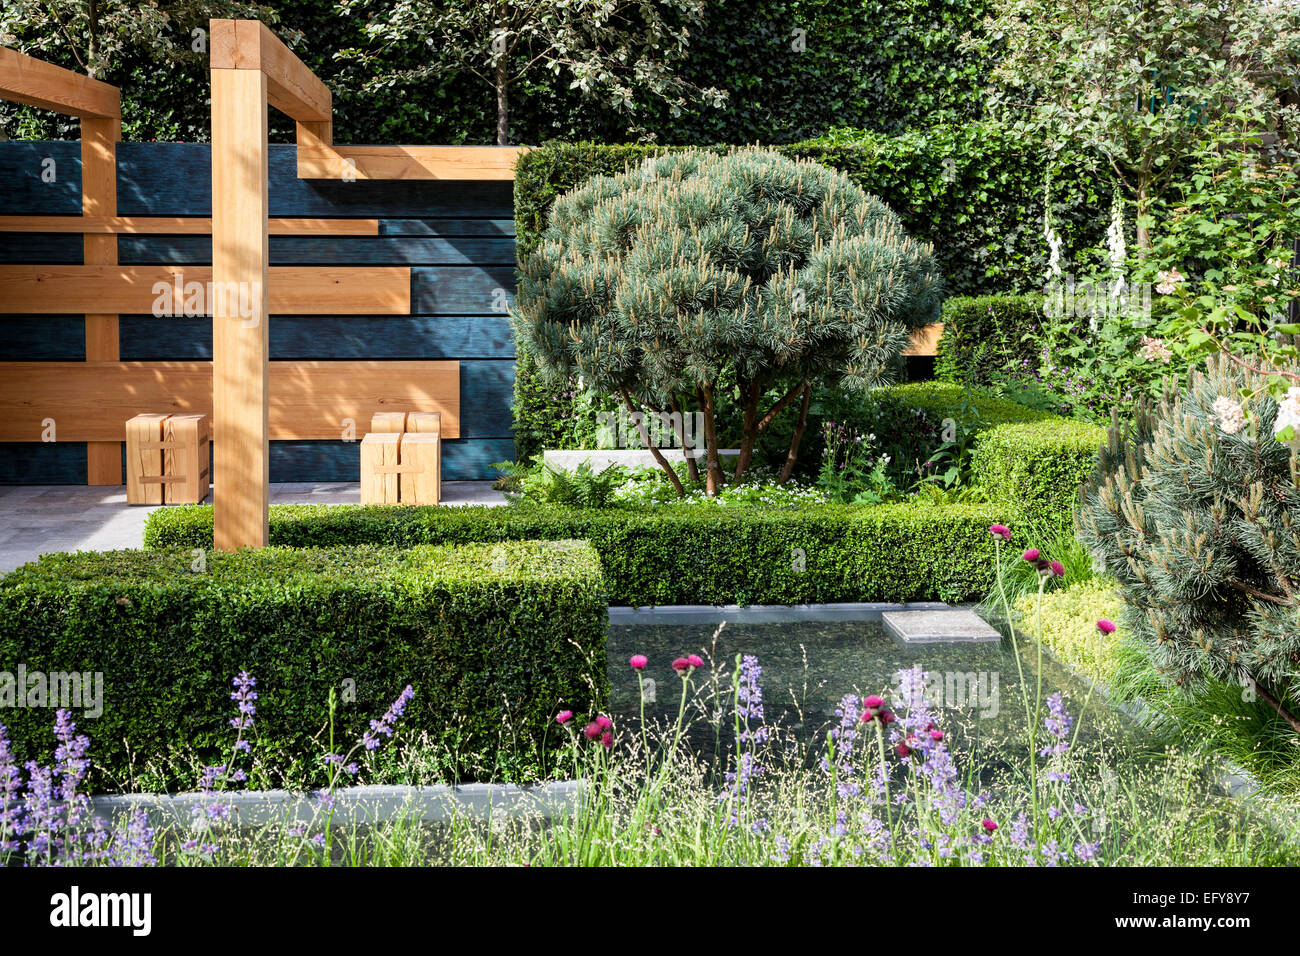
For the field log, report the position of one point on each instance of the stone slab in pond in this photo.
(939, 627)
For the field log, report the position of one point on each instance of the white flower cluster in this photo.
(1288, 413)
(1231, 416)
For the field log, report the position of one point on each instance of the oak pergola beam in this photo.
(24, 79)
(291, 87)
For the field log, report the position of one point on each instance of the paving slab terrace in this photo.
(37, 519)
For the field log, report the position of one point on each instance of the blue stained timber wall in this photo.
(458, 238)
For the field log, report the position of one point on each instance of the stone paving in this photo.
(35, 519)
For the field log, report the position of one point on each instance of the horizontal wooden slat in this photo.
(925, 341)
(182, 225)
(174, 179)
(130, 289)
(408, 162)
(24, 79)
(91, 401)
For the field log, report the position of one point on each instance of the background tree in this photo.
(118, 42)
(617, 49)
(659, 284)
(1139, 83)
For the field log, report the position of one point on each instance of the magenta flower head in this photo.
(989, 825)
(887, 717)
(564, 716)
(694, 661)
(1058, 569)
(604, 722)
(638, 662)
(592, 730)
(1031, 554)
(681, 665)
(903, 750)
(607, 740)
(936, 735)
(1001, 531)
(874, 705)
(1106, 626)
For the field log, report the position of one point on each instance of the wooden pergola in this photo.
(251, 69)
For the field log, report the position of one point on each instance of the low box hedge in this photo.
(1039, 465)
(493, 638)
(968, 407)
(703, 554)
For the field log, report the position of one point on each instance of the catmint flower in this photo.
(384, 726)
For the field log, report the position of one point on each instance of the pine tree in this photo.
(655, 283)
(1193, 509)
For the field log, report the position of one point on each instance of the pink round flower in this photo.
(936, 735)
(1001, 530)
(681, 665)
(605, 722)
(607, 740)
(638, 662)
(592, 730)
(564, 716)
(868, 716)
(887, 717)
(903, 750)
(1106, 626)
(1058, 569)
(694, 661)
(989, 825)
(874, 702)
(1031, 554)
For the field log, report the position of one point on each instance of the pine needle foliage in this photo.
(655, 283)
(1199, 526)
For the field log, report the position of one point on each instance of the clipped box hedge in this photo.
(941, 400)
(493, 638)
(1039, 465)
(681, 555)
(985, 335)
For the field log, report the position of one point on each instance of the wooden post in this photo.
(240, 348)
(99, 138)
